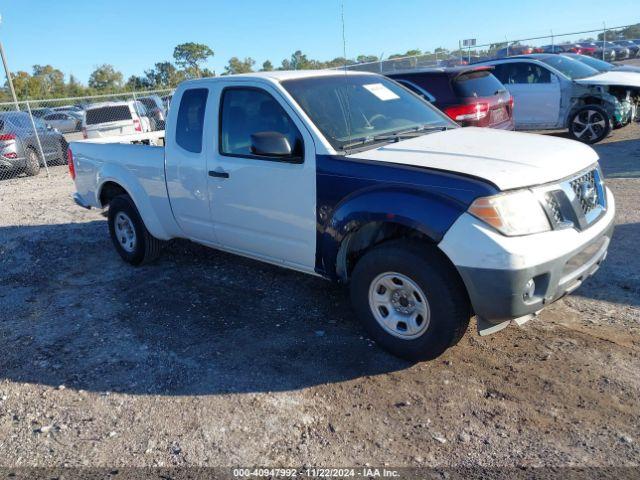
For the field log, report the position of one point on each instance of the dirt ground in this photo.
(204, 358)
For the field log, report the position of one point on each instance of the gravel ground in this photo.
(204, 358)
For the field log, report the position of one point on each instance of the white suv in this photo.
(115, 118)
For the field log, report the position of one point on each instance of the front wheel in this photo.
(132, 240)
(410, 299)
(589, 124)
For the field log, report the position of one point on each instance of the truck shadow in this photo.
(196, 322)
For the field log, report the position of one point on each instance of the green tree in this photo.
(236, 66)
(366, 58)
(267, 66)
(337, 62)
(74, 88)
(50, 80)
(164, 75)
(190, 56)
(105, 77)
(299, 61)
(630, 32)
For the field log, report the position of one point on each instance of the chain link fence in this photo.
(608, 43)
(34, 134)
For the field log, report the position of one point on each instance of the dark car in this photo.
(568, 48)
(607, 54)
(155, 110)
(470, 95)
(634, 48)
(601, 65)
(19, 147)
(514, 50)
(622, 53)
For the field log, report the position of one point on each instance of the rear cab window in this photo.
(476, 84)
(190, 121)
(113, 113)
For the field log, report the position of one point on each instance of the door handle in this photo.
(219, 174)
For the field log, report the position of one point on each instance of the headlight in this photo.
(516, 213)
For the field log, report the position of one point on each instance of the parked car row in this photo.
(145, 114)
(22, 150)
(610, 51)
(585, 95)
(148, 113)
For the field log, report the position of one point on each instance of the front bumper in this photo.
(496, 269)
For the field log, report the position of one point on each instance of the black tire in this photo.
(589, 124)
(32, 162)
(445, 294)
(146, 247)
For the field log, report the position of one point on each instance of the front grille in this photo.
(581, 186)
(554, 209)
(574, 202)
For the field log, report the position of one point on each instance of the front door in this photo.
(536, 94)
(263, 206)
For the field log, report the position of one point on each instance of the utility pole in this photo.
(8, 73)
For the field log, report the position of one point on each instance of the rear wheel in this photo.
(589, 124)
(32, 166)
(410, 299)
(132, 240)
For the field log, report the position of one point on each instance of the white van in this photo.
(114, 119)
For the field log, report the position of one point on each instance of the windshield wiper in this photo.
(397, 136)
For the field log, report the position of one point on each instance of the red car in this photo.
(470, 95)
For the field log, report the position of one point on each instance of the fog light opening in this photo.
(529, 290)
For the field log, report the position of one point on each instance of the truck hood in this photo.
(614, 77)
(507, 159)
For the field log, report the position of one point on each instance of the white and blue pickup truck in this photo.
(352, 177)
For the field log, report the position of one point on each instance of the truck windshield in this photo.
(363, 109)
(570, 67)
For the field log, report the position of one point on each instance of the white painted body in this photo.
(107, 128)
(267, 210)
(515, 253)
(536, 105)
(507, 159)
(614, 77)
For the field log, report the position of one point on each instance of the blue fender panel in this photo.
(352, 192)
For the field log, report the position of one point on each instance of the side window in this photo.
(190, 120)
(417, 90)
(247, 111)
(501, 72)
(528, 73)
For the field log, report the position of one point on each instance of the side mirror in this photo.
(270, 144)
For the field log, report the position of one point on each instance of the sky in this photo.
(78, 35)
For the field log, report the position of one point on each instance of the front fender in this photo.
(428, 213)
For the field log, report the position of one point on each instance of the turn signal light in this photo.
(72, 167)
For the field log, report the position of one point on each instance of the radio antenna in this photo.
(344, 56)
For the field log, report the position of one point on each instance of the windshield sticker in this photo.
(382, 92)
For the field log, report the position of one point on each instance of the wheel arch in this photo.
(362, 223)
(111, 187)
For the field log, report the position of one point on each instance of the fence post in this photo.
(35, 131)
(9, 79)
